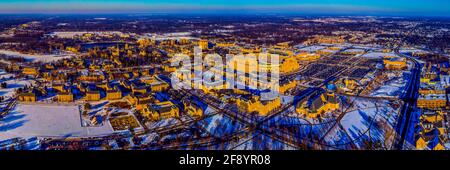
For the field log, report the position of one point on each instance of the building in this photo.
(253, 104)
(169, 69)
(432, 101)
(194, 107)
(27, 97)
(162, 110)
(394, 63)
(432, 116)
(327, 39)
(431, 91)
(250, 50)
(65, 96)
(156, 84)
(113, 94)
(30, 71)
(429, 140)
(317, 104)
(203, 44)
(348, 85)
(138, 89)
(139, 100)
(289, 65)
(225, 44)
(286, 85)
(307, 56)
(92, 95)
(432, 131)
(92, 77)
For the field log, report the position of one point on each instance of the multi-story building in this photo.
(194, 107)
(203, 44)
(286, 85)
(254, 104)
(27, 97)
(65, 96)
(30, 71)
(113, 93)
(394, 63)
(317, 104)
(161, 110)
(432, 101)
(92, 95)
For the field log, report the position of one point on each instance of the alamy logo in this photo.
(256, 72)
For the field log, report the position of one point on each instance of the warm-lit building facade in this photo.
(289, 65)
(194, 107)
(92, 96)
(65, 96)
(432, 131)
(432, 101)
(307, 56)
(317, 104)
(162, 110)
(27, 97)
(394, 63)
(30, 71)
(286, 85)
(113, 94)
(252, 104)
(203, 44)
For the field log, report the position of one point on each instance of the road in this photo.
(409, 97)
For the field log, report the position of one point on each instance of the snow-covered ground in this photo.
(412, 50)
(72, 34)
(312, 48)
(27, 121)
(12, 84)
(163, 123)
(35, 57)
(261, 142)
(393, 87)
(20, 144)
(354, 50)
(367, 47)
(379, 55)
(367, 119)
(220, 125)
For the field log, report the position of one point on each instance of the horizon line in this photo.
(228, 13)
(308, 9)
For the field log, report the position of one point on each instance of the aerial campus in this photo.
(107, 82)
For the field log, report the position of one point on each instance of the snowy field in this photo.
(13, 84)
(367, 119)
(393, 87)
(28, 121)
(367, 47)
(35, 57)
(411, 50)
(259, 141)
(72, 34)
(379, 55)
(312, 48)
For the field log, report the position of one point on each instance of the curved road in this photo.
(409, 97)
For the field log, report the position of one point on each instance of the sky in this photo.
(360, 7)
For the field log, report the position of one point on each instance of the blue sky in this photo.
(379, 7)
